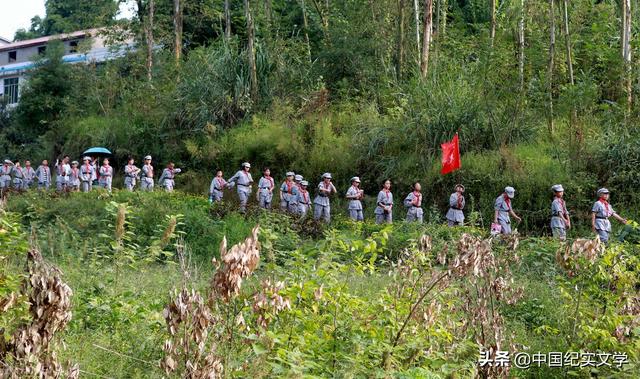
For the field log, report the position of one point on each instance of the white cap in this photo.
(74, 163)
(557, 188)
(86, 158)
(147, 158)
(246, 164)
(326, 175)
(290, 173)
(602, 191)
(298, 178)
(6, 161)
(304, 183)
(510, 191)
(355, 179)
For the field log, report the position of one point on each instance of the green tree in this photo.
(65, 16)
(42, 101)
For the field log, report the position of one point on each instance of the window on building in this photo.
(42, 50)
(13, 56)
(11, 90)
(73, 47)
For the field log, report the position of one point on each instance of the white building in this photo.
(18, 58)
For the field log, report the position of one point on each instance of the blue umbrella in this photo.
(97, 151)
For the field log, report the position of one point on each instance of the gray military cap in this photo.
(602, 191)
(355, 179)
(147, 158)
(557, 188)
(290, 173)
(510, 191)
(304, 183)
(298, 178)
(246, 164)
(326, 175)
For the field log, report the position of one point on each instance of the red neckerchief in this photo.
(74, 172)
(171, 172)
(606, 205)
(386, 193)
(220, 182)
(561, 204)
(246, 174)
(88, 166)
(60, 171)
(29, 168)
(304, 195)
(106, 166)
(326, 187)
(507, 200)
(4, 168)
(417, 198)
(459, 201)
(270, 179)
(46, 169)
(289, 186)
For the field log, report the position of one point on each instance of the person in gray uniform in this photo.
(455, 215)
(5, 175)
(384, 202)
(146, 183)
(243, 180)
(503, 210)
(265, 189)
(298, 179)
(413, 203)
(43, 174)
(289, 193)
(18, 176)
(560, 221)
(74, 177)
(355, 195)
(87, 174)
(106, 175)
(304, 199)
(167, 178)
(600, 213)
(62, 173)
(216, 189)
(131, 174)
(28, 175)
(322, 206)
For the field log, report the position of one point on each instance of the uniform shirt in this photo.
(354, 203)
(106, 171)
(63, 169)
(28, 173)
(217, 184)
(603, 211)
(289, 191)
(17, 172)
(6, 170)
(74, 176)
(169, 173)
(384, 197)
(130, 171)
(265, 185)
(456, 205)
(87, 172)
(43, 174)
(413, 199)
(243, 179)
(503, 206)
(323, 194)
(303, 197)
(558, 209)
(147, 170)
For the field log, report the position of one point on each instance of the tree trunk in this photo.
(305, 22)
(148, 31)
(400, 40)
(492, 32)
(416, 12)
(227, 19)
(324, 19)
(426, 36)
(552, 49)
(626, 51)
(521, 45)
(177, 26)
(567, 40)
(443, 27)
(251, 51)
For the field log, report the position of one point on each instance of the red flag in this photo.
(450, 155)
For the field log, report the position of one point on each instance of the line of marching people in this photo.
(295, 198)
(72, 176)
(293, 194)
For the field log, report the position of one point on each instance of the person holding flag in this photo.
(455, 215)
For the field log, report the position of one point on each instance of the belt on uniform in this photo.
(244, 185)
(455, 209)
(602, 218)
